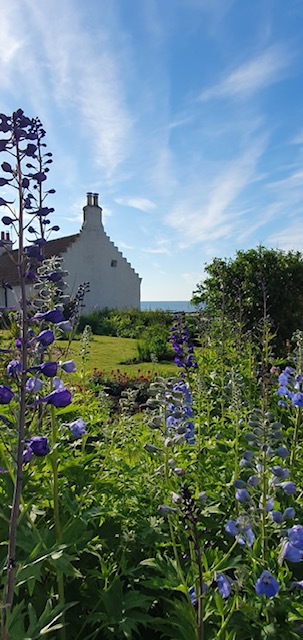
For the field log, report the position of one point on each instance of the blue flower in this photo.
(242, 495)
(266, 585)
(6, 394)
(68, 366)
(276, 516)
(295, 536)
(14, 367)
(46, 338)
(289, 513)
(297, 399)
(77, 428)
(289, 488)
(224, 585)
(39, 446)
(289, 552)
(192, 595)
(33, 385)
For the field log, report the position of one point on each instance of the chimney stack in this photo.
(6, 242)
(92, 212)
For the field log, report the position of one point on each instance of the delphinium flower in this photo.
(181, 344)
(38, 446)
(77, 427)
(25, 169)
(6, 394)
(241, 530)
(267, 585)
(263, 487)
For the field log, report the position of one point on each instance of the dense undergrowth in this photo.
(163, 536)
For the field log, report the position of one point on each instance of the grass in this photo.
(108, 353)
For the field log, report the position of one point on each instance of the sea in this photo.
(167, 305)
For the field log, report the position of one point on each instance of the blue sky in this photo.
(185, 115)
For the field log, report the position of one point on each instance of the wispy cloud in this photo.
(81, 72)
(252, 76)
(162, 246)
(143, 204)
(217, 214)
(290, 238)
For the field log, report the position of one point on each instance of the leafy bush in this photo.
(129, 323)
(154, 346)
(256, 283)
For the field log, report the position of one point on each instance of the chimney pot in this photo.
(7, 236)
(2, 235)
(95, 197)
(89, 198)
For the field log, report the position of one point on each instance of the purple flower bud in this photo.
(266, 585)
(276, 516)
(253, 481)
(49, 369)
(6, 394)
(282, 452)
(279, 472)
(290, 553)
(297, 399)
(289, 488)
(242, 495)
(14, 367)
(239, 484)
(45, 338)
(163, 510)
(68, 366)
(39, 446)
(269, 505)
(27, 455)
(64, 326)
(224, 585)
(295, 536)
(33, 385)
(54, 316)
(77, 428)
(231, 528)
(289, 513)
(59, 398)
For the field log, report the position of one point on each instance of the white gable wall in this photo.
(95, 259)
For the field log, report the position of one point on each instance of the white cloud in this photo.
(290, 238)
(143, 204)
(212, 211)
(66, 68)
(162, 246)
(252, 76)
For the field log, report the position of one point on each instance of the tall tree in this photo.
(256, 282)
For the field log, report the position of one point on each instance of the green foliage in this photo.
(256, 283)
(154, 346)
(125, 324)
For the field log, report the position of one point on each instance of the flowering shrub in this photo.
(116, 382)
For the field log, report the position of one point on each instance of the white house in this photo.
(89, 256)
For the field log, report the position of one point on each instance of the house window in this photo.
(113, 263)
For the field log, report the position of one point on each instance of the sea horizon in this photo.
(167, 305)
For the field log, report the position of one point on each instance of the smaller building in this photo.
(89, 256)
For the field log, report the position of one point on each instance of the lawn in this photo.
(108, 353)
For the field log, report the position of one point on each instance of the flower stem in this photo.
(56, 506)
